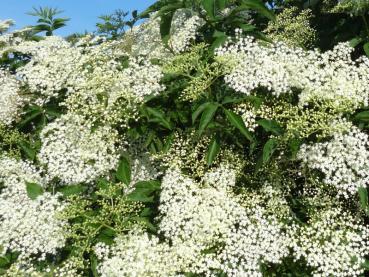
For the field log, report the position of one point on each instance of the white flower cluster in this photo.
(248, 115)
(184, 30)
(75, 153)
(333, 243)
(53, 61)
(28, 226)
(196, 217)
(138, 255)
(10, 100)
(344, 160)
(331, 76)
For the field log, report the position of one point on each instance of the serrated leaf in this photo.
(207, 116)
(123, 173)
(34, 190)
(213, 151)
(268, 149)
(237, 122)
(271, 126)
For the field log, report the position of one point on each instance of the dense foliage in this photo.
(213, 138)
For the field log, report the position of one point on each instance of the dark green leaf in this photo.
(199, 110)
(221, 4)
(165, 25)
(72, 190)
(362, 116)
(207, 116)
(28, 150)
(209, 6)
(159, 117)
(124, 171)
(268, 149)
(213, 151)
(237, 122)
(271, 126)
(294, 146)
(363, 195)
(29, 117)
(34, 190)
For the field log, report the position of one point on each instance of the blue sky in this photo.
(83, 13)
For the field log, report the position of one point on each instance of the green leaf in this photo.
(294, 146)
(237, 122)
(140, 196)
(199, 110)
(363, 195)
(34, 190)
(29, 117)
(362, 116)
(271, 126)
(268, 149)
(94, 264)
(147, 186)
(366, 49)
(28, 150)
(258, 6)
(207, 116)
(209, 6)
(159, 117)
(213, 151)
(124, 171)
(355, 41)
(219, 41)
(221, 4)
(165, 25)
(72, 189)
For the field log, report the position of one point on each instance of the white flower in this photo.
(75, 153)
(344, 160)
(11, 101)
(28, 226)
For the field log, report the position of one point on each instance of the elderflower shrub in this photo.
(76, 151)
(343, 160)
(11, 101)
(30, 227)
(331, 76)
(333, 243)
(292, 27)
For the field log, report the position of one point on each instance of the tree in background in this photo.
(47, 21)
(114, 25)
